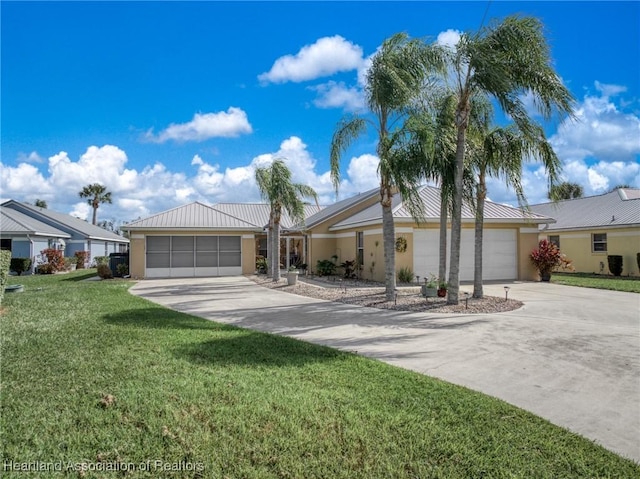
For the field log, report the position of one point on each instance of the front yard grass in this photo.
(586, 280)
(93, 377)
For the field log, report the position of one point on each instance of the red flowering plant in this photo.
(547, 257)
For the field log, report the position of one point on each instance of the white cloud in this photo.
(449, 38)
(328, 55)
(32, 157)
(229, 124)
(338, 95)
(141, 192)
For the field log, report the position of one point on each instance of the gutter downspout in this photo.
(32, 269)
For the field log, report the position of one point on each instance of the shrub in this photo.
(405, 275)
(98, 260)
(55, 259)
(104, 271)
(349, 269)
(547, 257)
(325, 267)
(5, 264)
(81, 258)
(122, 269)
(615, 264)
(261, 265)
(46, 268)
(20, 265)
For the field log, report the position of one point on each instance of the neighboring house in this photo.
(26, 237)
(61, 231)
(588, 229)
(225, 239)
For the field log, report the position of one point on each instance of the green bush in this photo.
(46, 268)
(122, 269)
(325, 267)
(104, 271)
(20, 265)
(5, 263)
(98, 260)
(615, 264)
(405, 275)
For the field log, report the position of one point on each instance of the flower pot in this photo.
(442, 292)
(292, 278)
(428, 292)
(545, 276)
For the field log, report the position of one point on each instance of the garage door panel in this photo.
(188, 256)
(499, 253)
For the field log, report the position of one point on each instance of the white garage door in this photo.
(188, 256)
(499, 254)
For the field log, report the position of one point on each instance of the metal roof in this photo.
(65, 221)
(15, 222)
(618, 208)
(192, 216)
(337, 208)
(258, 213)
(493, 212)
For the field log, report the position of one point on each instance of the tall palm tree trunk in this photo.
(442, 265)
(95, 212)
(479, 225)
(276, 251)
(388, 241)
(462, 120)
(270, 247)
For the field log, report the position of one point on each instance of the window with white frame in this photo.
(599, 242)
(554, 239)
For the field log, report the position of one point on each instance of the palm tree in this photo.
(500, 152)
(504, 61)
(96, 194)
(277, 189)
(41, 203)
(565, 191)
(397, 74)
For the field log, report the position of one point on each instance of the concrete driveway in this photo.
(570, 355)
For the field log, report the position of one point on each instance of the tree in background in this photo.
(41, 203)
(96, 195)
(565, 191)
(274, 183)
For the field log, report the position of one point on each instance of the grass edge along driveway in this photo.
(94, 377)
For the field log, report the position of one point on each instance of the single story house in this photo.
(588, 229)
(30, 229)
(225, 239)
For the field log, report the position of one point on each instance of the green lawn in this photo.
(586, 280)
(94, 375)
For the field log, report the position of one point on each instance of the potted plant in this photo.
(430, 287)
(292, 276)
(442, 289)
(546, 257)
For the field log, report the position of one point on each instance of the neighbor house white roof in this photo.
(65, 221)
(258, 213)
(619, 208)
(493, 212)
(14, 222)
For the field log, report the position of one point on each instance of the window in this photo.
(555, 239)
(599, 242)
(5, 244)
(360, 247)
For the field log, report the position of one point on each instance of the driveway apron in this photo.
(570, 355)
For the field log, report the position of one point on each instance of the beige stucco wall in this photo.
(138, 245)
(527, 242)
(577, 245)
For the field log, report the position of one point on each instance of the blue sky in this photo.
(170, 102)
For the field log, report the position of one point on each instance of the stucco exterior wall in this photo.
(248, 245)
(577, 245)
(527, 242)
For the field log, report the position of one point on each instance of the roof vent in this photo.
(613, 218)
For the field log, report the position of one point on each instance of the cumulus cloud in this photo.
(338, 95)
(449, 38)
(32, 157)
(229, 124)
(328, 55)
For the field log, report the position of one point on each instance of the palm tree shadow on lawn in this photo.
(225, 345)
